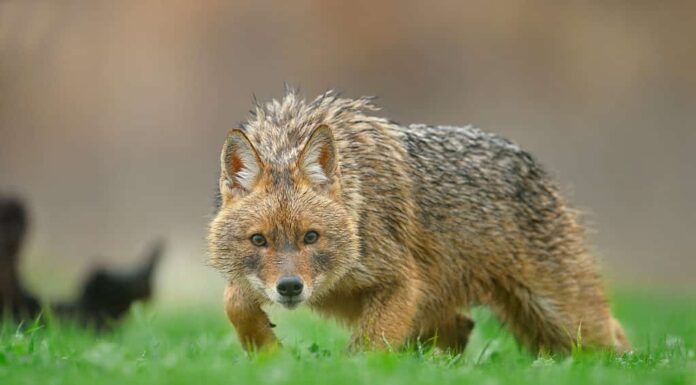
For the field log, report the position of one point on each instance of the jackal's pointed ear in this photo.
(241, 166)
(318, 160)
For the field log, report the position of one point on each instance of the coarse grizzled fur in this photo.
(415, 224)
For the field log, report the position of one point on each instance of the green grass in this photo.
(197, 346)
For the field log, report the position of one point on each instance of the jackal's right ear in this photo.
(241, 166)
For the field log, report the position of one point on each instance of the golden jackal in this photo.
(396, 230)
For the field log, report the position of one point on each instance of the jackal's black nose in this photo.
(289, 286)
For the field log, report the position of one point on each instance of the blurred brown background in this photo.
(112, 114)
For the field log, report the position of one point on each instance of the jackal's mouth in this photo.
(290, 303)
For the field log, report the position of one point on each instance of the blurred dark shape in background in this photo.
(113, 114)
(14, 298)
(105, 296)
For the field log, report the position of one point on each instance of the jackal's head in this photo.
(282, 231)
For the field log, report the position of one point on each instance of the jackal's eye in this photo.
(310, 237)
(258, 240)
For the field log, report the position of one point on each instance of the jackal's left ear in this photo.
(318, 160)
(241, 166)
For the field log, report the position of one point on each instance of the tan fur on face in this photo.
(416, 223)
